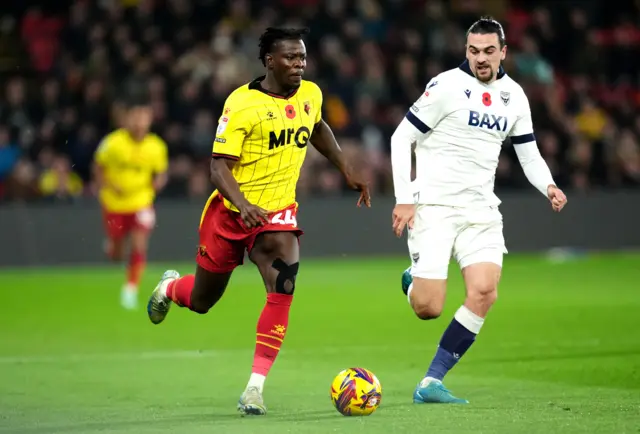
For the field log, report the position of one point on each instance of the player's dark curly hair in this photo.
(487, 25)
(275, 34)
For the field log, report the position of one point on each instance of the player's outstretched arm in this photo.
(227, 185)
(325, 142)
(537, 171)
(533, 165)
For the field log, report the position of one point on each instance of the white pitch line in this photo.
(156, 355)
(194, 354)
(80, 358)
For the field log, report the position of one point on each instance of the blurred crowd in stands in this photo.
(63, 66)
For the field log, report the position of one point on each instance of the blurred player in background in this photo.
(259, 148)
(130, 168)
(459, 125)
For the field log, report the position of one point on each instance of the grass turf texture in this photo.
(559, 353)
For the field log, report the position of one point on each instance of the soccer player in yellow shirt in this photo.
(259, 148)
(130, 168)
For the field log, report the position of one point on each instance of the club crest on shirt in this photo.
(307, 107)
(505, 97)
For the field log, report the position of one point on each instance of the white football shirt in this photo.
(459, 124)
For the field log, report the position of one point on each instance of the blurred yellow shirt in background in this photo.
(51, 180)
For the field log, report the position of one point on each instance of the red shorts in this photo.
(224, 238)
(119, 225)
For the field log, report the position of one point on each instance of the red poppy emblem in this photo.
(290, 111)
(486, 99)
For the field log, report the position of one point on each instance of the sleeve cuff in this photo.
(405, 200)
(227, 156)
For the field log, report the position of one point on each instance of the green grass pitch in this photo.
(560, 353)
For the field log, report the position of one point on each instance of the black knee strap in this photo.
(285, 273)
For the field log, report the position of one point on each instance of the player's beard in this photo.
(488, 74)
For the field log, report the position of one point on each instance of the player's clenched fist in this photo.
(557, 198)
(252, 215)
(403, 215)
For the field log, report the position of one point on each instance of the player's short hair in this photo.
(487, 25)
(272, 35)
(136, 99)
(134, 92)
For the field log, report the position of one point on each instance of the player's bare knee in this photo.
(426, 308)
(427, 311)
(116, 257)
(115, 251)
(207, 291)
(200, 308)
(201, 304)
(481, 281)
(427, 297)
(483, 293)
(428, 305)
(285, 282)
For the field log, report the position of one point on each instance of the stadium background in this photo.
(560, 348)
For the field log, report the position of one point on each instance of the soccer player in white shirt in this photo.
(458, 126)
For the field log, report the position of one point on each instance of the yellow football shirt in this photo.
(268, 136)
(50, 182)
(130, 166)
